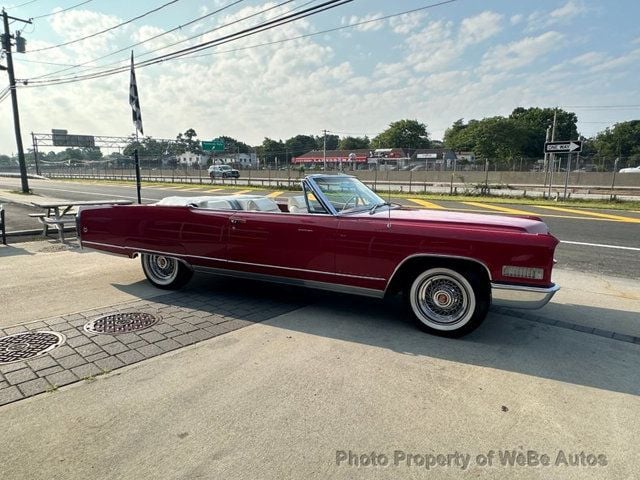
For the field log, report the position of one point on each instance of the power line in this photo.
(24, 4)
(106, 29)
(61, 11)
(322, 32)
(129, 47)
(601, 107)
(258, 29)
(179, 53)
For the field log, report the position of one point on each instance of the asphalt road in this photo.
(595, 241)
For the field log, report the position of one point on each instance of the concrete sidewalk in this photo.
(285, 398)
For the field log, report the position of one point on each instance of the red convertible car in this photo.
(339, 235)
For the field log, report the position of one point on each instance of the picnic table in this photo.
(59, 213)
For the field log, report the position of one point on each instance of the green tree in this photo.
(300, 144)
(187, 142)
(332, 142)
(622, 140)
(494, 138)
(534, 121)
(5, 160)
(403, 134)
(270, 149)
(354, 143)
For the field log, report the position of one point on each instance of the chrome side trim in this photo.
(435, 255)
(521, 296)
(179, 256)
(332, 287)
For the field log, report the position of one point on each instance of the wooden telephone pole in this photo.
(6, 45)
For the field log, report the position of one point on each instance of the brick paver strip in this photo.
(11, 394)
(109, 363)
(71, 361)
(97, 356)
(20, 376)
(186, 318)
(87, 370)
(115, 347)
(61, 379)
(40, 363)
(34, 387)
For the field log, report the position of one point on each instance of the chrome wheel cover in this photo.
(442, 299)
(162, 270)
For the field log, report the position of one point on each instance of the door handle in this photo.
(238, 220)
(305, 230)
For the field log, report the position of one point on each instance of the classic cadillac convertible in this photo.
(339, 235)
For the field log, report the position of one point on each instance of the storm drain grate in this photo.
(121, 323)
(22, 346)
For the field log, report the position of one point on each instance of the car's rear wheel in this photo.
(448, 302)
(165, 272)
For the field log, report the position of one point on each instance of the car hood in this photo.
(525, 224)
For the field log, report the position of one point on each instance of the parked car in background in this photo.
(630, 170)
(339, 235)
(223, 171)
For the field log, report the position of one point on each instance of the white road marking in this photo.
(618, 247)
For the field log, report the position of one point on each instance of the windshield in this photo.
(347, 194)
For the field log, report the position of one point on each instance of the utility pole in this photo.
(324, 150)
(6, 45)
(552, 155)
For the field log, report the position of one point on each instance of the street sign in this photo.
(213, 145)
(568, 146)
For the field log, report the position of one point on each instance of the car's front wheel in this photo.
(448, 302)
(165, 272)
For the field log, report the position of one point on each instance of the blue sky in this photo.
(466, 59)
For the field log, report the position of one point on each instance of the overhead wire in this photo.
(61, 11)
(23, 4)
(330, 30)
(188, 54)
(225, 39)
(70, 42)
(71, 67)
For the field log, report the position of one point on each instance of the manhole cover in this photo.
(121, 323)
(23, 346)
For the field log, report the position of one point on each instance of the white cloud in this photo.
(407, 23)
(425, 67)
(480, 27)
(563, 15)
(521, 53)
(366, 27)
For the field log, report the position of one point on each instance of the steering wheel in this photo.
(354, 197)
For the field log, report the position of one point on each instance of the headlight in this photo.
(523, 272)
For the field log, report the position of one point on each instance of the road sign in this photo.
(568, 146)
(213, 145)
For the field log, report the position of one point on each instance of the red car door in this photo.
(299, 246)
(366, 250)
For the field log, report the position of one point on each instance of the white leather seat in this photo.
(297, 204)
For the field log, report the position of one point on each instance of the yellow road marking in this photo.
(616, 218)
(240, 192)
(274, 194)
(424, 203)
(512, 211)
(214, 190)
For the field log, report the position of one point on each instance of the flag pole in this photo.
(136, 162)
(134, 101)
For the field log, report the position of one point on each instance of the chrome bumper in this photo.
(518, 296)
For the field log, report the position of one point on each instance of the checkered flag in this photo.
(134, 100)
